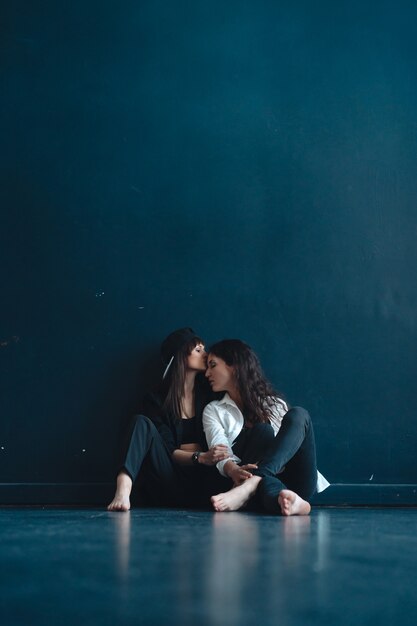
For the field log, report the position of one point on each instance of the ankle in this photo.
(124, 484)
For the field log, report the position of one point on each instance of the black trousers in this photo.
(285, 461)
(163, 482)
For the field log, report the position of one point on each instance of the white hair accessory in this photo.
(167, 367)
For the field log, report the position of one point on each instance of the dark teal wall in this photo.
(247, 168)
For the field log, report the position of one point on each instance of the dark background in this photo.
(246, 168)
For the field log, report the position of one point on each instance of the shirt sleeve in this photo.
(279, 409)
(216, 435)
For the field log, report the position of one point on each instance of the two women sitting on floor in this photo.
(216, 429)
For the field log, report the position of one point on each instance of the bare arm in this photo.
(211, 457)
(182, 457)
(238, 473)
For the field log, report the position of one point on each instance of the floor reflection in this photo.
(122, 523)
(233, 556)
(323, 540)
(295, 537)
(235, 565)
(338, 567)
(264, 557)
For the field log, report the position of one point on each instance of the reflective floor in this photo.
(153, 566)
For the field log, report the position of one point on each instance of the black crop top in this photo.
(189, 430)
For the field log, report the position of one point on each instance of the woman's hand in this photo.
(238, 473)
(214, 455)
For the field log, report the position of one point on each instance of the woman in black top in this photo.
(168, 448)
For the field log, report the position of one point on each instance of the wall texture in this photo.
(247, 168)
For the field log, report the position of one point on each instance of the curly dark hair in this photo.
(256, 392)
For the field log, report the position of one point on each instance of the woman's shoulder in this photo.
(214, 404)
(224, 408)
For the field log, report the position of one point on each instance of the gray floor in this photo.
(153, 566)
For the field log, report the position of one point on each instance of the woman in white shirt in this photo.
(272, 455)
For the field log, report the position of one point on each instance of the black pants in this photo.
(287, 461)
(162, 481)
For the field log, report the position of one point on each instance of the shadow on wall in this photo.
(124, 385)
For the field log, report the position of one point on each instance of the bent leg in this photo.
(289, 470)
(300, 473)
(250, 447)
(292, 455)
(146, 453)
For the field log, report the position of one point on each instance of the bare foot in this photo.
(292, 504)
(121, 500)
(234, 499)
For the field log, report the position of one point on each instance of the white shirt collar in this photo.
(227, 400)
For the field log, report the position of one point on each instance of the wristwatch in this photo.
(194, 458)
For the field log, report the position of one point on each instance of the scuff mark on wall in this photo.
(7, 342)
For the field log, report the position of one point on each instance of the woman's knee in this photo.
(143, 423)
(299, 416)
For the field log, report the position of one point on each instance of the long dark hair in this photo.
(173, 385)
(256, 392)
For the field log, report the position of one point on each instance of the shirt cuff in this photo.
(220, 465)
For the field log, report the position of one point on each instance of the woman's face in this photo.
(219, 374)
(197, 359)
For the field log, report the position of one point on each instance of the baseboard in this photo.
(357, 494)
(99, 494)
(56, 493)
